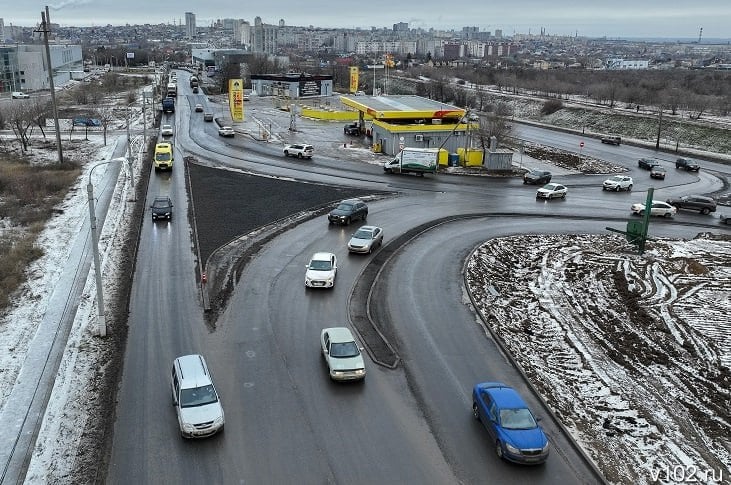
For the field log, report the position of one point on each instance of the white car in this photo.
(551, 191)
(342, 354)
(19, 95)
(659, 208)
(321, 271)
(226, 131)
(365, 239)
(196, 401)
(166, 130)
(299, 150)
(617, 183)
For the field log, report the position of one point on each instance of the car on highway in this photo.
(617, 183)
(687, 164)
(365, 239)
(226, 131)
(342, 354)
(196, 401)
(195, 89)
(724, 219)
(162, 208)
(552, 191)
(198, 108)
(657, 172)
(320, 272)
(704, 205)
(514, 430)
(647, 163)
(163, 159)
(612, 139)
(347, 211)
(299, 150)
(19, 95)
(207, 116)
(166, 130)
(658, 208)
(537, 177)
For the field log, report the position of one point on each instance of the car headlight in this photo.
(188, 428)
(512, 449)
(218, 421)
(545, 448)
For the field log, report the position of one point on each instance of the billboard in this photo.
(236, 99)
(310, 88)
(353, 79)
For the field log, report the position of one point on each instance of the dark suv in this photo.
(647, 163)
(704, 205)
(537, 177)
(162, 208)
(352, 129)
(687, 164)
(348, 210)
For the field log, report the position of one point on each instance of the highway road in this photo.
(285, 421)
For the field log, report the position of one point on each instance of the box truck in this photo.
(415, 160)
(168, 105)
(172, 90)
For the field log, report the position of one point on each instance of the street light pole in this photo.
(102, 324)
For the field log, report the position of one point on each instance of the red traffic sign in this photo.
(581, 144)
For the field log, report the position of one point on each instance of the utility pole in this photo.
(659, 129)
(45, 21)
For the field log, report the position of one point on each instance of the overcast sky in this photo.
(615, 18)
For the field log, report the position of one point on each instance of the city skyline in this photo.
(619, 19)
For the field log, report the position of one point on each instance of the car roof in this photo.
(163, 145)
(368, 228)
(339, 334)
(504, 396)
(351, 201)
(322, 256)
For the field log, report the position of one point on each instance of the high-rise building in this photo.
(190, 25)
(2, 31)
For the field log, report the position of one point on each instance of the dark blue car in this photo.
(512, 427)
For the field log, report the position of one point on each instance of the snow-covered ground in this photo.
(631, 352)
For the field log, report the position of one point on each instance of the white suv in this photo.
(617, 183)
(19, 95)
(299, 150)
(195, 398)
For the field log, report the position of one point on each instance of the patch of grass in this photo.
(28, 195)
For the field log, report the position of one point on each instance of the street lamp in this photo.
(95, 249)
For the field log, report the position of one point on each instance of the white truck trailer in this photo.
(415, 160)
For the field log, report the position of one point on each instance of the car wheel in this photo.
(299, 155)
(286, 153)
(365, 216)
(668, 214)
(629, 188)
(618, 188)
(347, 221)
(705, 211)
(499, 449)
(563, 196)
(475, 412)
(642, 213)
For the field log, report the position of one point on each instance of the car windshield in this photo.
(363, 234)
(161, 204)
(517, 419)
(320, 265)
(345, 207)
(162, 156)
(344, 350)
(197, 396)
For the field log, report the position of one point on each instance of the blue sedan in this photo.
(511, 425)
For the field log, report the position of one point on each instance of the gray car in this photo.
(365, 239)
(347, 211)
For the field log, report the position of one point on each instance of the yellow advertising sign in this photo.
(353, 79)
(236, 99)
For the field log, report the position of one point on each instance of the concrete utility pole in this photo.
(45, 21)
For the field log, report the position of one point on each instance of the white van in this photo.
(196, 401)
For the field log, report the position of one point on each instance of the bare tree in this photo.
(22, 116)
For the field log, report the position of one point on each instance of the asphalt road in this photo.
(285, 421)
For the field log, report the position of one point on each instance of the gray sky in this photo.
(615, 18)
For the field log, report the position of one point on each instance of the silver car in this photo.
(365, 239)
(342, 354)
